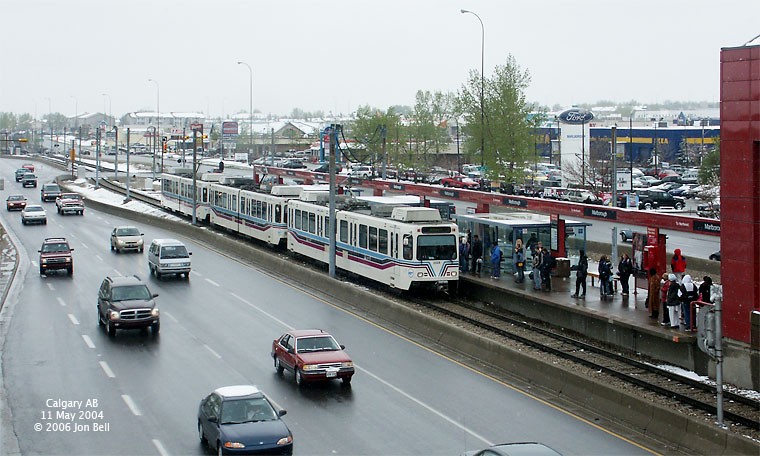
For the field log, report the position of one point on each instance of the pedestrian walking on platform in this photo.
(653, 294)
(625, 269)
(495, 261)
(664, 287)
(476, 251)
(688, 293)
(678, 264)
(548, 262)
(673, 300)
(464, 253)
(581, 271)
(519, 258)
(537, 257)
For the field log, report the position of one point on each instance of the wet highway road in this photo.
(217, 328)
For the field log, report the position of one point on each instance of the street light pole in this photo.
(482, 89)
(50, 124)
(250, 107)
(76, 116)
(158, 125)
(630, 147)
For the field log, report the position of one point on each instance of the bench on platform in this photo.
(595, 275)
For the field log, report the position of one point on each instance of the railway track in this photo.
(738, 409)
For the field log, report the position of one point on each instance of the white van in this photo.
(168, 256)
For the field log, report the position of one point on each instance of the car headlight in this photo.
(308, 367)
(347, 364)
(236, 445)
(154, 312)
(114, 315)
(43, 261)
(285, 440)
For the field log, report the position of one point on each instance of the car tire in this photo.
(298, 377)
(155, 328)
(111, 329)
(203, 439)
(623, 237)
(347, 381)
(42, 271)
(219, 449)
(678, 206)
(278, 367)
(141, 249)
(70, 271)
(100, 319)
(648, 206)
(23, 222)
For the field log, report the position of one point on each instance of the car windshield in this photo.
(317, 343)
(246, 411)
(34, 209)
(130, 293)
(15, 198)
(56, 247)
(174, 251)
(128, 231)
(52, 188)
(74, 196)
(437, 247)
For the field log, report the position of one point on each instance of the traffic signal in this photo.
(164, 146)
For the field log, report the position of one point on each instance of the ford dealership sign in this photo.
(576, 116)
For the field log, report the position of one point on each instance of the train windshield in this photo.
(437, 247)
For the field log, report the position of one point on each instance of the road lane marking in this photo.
(161, 450)
(262, 311)
(34, 263)
(171, 317)
(73, 319)
(99, 257)
(61, 301)
(50, 286)
(212, 351)
(117, 273)
(84, 245)
(131, 404)
(107, 369)
(196, 273)
(88, 341)
(212, 282)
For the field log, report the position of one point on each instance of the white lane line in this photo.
(117, 272)
(161, 450)
(212, 282)
(107, 369)
(34, 264)
(427, 407)
(171, 317)
(88, 341)
(212, 351)
(262, 311)
(195, 273)
(61, 301)
(73, 319)
(131, 404)
(50, 286)
(84, 245)
(99, 257)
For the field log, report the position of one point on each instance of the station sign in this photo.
(706, 227)
(607, 214)
(514, 202)
(230, 128)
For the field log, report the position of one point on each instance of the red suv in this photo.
(312, 355)
(55, 253)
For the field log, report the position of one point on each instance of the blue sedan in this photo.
(241, 420)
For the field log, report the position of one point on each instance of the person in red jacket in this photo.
(678, 264)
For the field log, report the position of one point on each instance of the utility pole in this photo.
(383, 136)
(116, 153)
(195, 192)
(97, 158)
(128, 178)
(331, 225)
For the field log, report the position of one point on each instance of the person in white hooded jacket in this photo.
(688, 293)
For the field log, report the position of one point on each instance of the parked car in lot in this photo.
(325, 168)
(655, 199)
(362, 172)
(126, 238)
(241, 419)
(460, 182)
(70, 203)
(626, 235)
(311, 355)
(33, 213)
(293, 164)
(710, 209)
(49, 192)
(127, 303)
(715, 256)
(28, 180)
(582, 196)
(15, 202)
(55, 254)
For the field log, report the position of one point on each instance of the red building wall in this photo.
(740, 188)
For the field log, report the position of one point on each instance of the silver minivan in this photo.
(168, 256)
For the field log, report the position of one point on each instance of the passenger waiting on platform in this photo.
(531, 244)
(688, 293)
(537, 257)
(476, 252)
(519, 259)
(605, 276)
(625, 269)
(653, 294)
(548, 262)
(495, 261)
(664, 287)
(705, 289)
(678, 264)
(464, 253)
(673, 301)
(581, 271)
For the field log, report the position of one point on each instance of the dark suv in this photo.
(49, 192)
(28, 180)
(55, 253)
(655, 199)
(127, 303)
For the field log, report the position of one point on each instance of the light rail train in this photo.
(408, 247)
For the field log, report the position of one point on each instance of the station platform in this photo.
(620, 321)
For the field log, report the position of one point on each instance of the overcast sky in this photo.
(336, 55)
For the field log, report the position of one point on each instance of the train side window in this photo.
(298, 219)
(277, 213)
(408, 247)
(383, 242)
(304, 220)
(343, 231)
(373, 238)
(363, 236)
(312, 223)
(265, 210)
(204, 198)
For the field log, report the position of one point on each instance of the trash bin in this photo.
(563, 268)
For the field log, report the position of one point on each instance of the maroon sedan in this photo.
(312, 355)
(15, 202)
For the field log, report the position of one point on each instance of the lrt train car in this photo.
(177, 195)
(413, 247)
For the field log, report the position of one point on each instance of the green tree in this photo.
(709, 172)
(8, 121)
(367, 130)
(510, 121)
